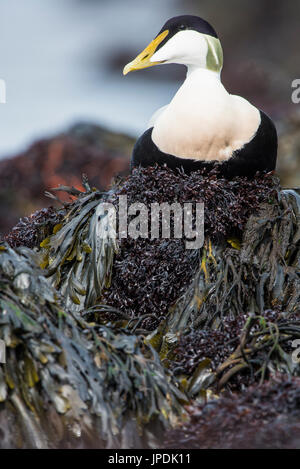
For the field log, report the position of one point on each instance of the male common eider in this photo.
(203, 125)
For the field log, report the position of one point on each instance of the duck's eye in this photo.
(182, 26)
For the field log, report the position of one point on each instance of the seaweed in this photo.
(228, 203)
(77, 257)
(246, 350)
(261, 272)
(149, 275)
(67, 381)
(139, 327)
(147, 278)
(32, 230)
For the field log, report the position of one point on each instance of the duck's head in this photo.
(187, 40)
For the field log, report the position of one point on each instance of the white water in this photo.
(48, 50)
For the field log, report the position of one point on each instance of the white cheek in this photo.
(185, 47)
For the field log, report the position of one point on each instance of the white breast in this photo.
(203, 121)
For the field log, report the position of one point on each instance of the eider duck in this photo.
(203, 125)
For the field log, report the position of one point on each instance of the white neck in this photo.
(202, 73)
(200, 87)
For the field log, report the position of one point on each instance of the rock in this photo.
(85, 148)
(266, 416)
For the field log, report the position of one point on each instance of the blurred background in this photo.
(69, 109)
